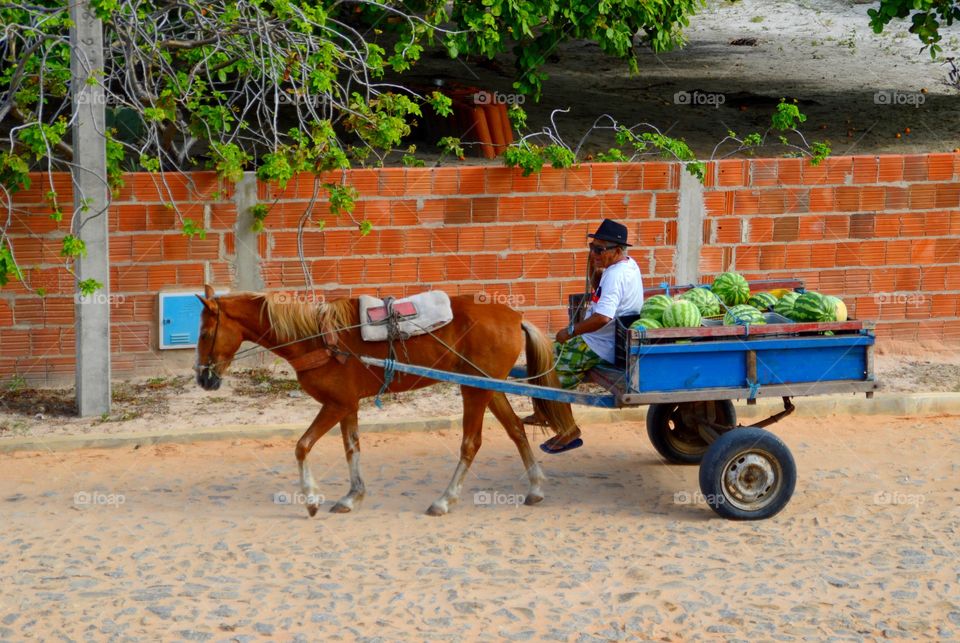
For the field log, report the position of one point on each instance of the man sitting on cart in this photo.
(590, 342)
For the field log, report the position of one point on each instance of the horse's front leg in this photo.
(328, 416)
(351, 448)
(475, 401)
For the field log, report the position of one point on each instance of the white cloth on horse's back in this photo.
(432, 311)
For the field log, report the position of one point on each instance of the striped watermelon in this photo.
(813, 307)
(743, 315)
(731, 288)
(840, 307)
(645, 324)
(784, 305)
(763, 301)
(654, 306)
(682, 314)
(706, 302)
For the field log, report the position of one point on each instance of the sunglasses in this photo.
(599, 250)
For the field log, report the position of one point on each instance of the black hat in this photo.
(610, 230)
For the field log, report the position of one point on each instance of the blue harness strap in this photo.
(388, 371)
(754, 389)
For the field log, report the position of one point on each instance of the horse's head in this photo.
(220, 337)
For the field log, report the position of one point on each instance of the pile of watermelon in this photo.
(730, 296)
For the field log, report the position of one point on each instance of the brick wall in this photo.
(883, 232)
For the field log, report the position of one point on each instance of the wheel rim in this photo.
(683, 438)
(751, 480)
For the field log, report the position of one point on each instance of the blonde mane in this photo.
(292, 319)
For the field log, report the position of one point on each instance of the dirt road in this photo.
(198, 542)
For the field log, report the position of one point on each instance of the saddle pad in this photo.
(432, 311)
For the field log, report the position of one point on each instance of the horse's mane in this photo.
(292, 319)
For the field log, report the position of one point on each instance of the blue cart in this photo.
(689, 377)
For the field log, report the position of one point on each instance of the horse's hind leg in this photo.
(351, 448)
(328, 416)
(475, 401)
(514, 425)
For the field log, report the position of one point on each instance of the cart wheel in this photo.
(748, 474)
(677, 439)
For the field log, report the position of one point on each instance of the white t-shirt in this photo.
(620, 293)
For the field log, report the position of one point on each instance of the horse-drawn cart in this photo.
(689, 377)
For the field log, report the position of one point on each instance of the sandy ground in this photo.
(821, 52)
(194, 542)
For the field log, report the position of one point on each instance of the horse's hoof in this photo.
(533, 499)
(437, 510)
(341, 508)
(312, 510)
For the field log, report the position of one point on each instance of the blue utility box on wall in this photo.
(180, 319)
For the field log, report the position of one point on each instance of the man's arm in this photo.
(588, 325)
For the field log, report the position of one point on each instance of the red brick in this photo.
(923, 251)
(537, 208)
(760, 229)
(603, 176)
(552, 180)
(431, 269)
(933, 278)
(862, 226)
(865, 169)
(763, 172)
(823, 255)
(446, 181)
(897, 199)
(890, 168)
(923, 196)
(639, 204)
(666, 204)
(456, 211)
(940, 167)
(728, 230)
(822, 199)
(812, 228)
(948, 195)
(746, 202)
(914, 168)
(472, 180)
(525, 183)
(392, 181)
(578, 179)
(944, 305)
(790, 171)
(563, 207)
(836, 227)
(657, 176)
(714, 203)
(947, 251)
(420, 181)
(731, 173)
(898, 252)
(848, 199)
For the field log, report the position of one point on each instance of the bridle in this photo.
(208, 367)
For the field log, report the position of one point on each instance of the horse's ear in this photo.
(209, 291)
(208, 303)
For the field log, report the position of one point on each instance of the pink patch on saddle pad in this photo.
(403, 308)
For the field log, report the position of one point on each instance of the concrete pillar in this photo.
(247, 261)
(91, 197)
(689, 229)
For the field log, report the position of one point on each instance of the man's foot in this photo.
(561, 443)
(535, 419)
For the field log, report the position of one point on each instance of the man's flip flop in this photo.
(569, 446)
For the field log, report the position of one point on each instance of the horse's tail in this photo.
(539, 351)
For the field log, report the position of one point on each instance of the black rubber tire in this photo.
(676, 442)
(766, 479)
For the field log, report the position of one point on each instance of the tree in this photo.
(926, 18)
(281, 86)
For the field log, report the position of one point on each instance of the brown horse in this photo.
(321, 341)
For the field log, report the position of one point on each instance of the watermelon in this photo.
(645, 324)
(682, 314)
(654, 306)
(813, 307)
(763, 301)
(840, 307)
(706, 302)
(784, 305)
(742, 315)
(731, 288)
